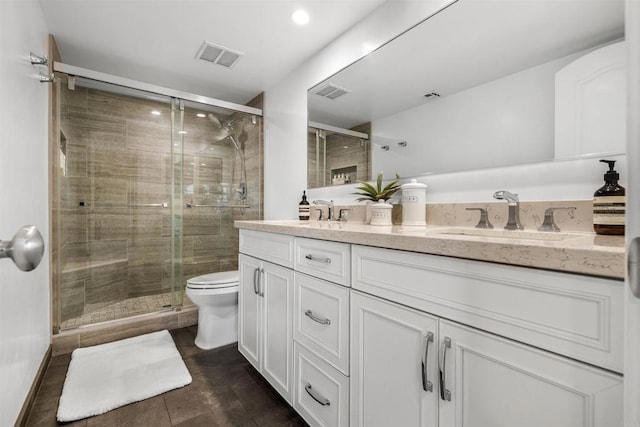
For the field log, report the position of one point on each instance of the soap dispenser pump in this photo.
(609, 204)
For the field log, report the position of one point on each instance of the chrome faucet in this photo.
(513, 222)
(330, 216)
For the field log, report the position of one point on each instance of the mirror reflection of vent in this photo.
(217, 54)
(331, 91)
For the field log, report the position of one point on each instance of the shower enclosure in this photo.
(145, 189)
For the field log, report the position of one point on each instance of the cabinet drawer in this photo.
(321, 319)
(577, 316)
(327, 260)
(276, 248)
(321, 392)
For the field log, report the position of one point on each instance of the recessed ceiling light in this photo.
(201, 115)
(300, 17)
(155, 112)
(182, 132)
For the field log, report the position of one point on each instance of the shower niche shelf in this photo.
(86, 265)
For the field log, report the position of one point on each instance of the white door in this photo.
(25, 325)
(388, 381)
(632, 341)
(276, 292)
(496, 382)
(249, 323)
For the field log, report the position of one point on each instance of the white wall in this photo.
(24, 297)
(285, 107)
(285, 113)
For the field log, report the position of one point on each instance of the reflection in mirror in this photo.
(486, 84)
(337, 156)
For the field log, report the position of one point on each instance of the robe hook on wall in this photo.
(46, 78)
(38, 60)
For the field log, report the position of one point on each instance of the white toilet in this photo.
(216, 296)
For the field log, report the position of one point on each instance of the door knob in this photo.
(25, 249)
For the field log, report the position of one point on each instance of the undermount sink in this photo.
(507, 234)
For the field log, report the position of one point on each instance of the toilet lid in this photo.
(214, 280)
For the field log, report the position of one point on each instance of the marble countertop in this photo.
(584, 253)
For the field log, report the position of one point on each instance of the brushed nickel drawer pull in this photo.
(445, 394)
(316, 259)
(321, 400)
(320, 320)
(256, 272)
(426, 384)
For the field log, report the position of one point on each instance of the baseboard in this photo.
(23, 416)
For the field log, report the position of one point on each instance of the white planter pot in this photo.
(381, 213)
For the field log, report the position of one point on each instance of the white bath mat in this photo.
(107, 376)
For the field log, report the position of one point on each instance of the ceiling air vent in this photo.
(432, 95)
(218, 54)
(331, 91)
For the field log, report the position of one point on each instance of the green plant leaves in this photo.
(368, 192)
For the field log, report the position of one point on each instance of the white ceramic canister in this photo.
(380, 213)
(413, 203)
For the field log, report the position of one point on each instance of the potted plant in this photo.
(380, 210)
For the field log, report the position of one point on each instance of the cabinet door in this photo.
(388, 348)
(276, 292)
(497, 382)
(249, 323)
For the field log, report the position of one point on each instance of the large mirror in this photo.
(481, 84)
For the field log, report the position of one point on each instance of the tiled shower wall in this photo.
(115, 155)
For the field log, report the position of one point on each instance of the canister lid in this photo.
(413, 184)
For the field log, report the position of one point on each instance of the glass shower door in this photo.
(113, 206)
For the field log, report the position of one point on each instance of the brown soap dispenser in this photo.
(304, 208)
(609, 204)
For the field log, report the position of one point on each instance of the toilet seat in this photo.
(222, 282)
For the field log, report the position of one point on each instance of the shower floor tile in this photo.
(218, 395)
(121, 309)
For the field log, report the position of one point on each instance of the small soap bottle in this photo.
(609, 204)
(303, 208)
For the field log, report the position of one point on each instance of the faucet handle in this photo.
(484, 218)
(548, 223)
(342, 214)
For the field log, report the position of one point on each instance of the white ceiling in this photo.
(156, 41)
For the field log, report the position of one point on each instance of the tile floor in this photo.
(226, 391)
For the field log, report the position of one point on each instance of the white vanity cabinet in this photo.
(480, 378)
(265, 302)
(355, 335)
(413, 369)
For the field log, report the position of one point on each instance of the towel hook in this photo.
(37, 59)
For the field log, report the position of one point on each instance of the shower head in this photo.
(226, 128)
(217, 123)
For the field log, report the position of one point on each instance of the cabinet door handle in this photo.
(318, 259)
(256, 272)
(261, 283)
(317, 319)
(445, 394)
(426, 384)
(321, 400)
